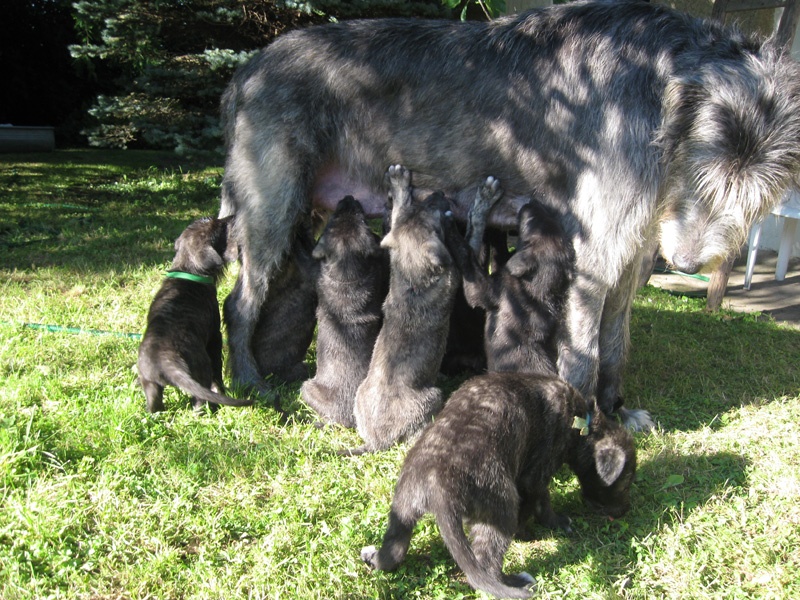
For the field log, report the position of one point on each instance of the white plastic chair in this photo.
(788, 212)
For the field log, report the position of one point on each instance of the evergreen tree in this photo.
(176, 56)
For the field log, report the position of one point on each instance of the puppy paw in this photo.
(523, 580)
(565, 523)
(489, 193)
(399, 176)
(636, 419)
(527, 577)
(399, 187)
(368, 554)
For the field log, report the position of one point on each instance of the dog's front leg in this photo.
(486, 197)
(476, 282)
(579, 354)
(536, 504)
(241, 310)
(614, 344)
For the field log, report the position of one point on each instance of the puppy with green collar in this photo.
(489, 457)
(182, 345)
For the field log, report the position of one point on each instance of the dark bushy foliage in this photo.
(176, 56)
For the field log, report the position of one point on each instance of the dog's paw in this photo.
(399, 176)
(490, 192)
(636, 419)
(525, 581)
(368, 554)
(565, 523)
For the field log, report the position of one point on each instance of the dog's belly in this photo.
(332, 184)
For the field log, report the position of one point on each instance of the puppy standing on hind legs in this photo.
(524, 300)
(398, 395)
(489, 457)
(350, 289)
(182, 345)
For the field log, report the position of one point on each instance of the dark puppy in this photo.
(398, 395)
(465, 345)
(465, 342)
(353, 280)
(489, 457)
(524, 301)
(286, 323)
(182, 345)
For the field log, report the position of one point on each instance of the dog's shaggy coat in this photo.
(353, 280)
(182, 344)
(489, 457)
(632, 120)
(399, 395)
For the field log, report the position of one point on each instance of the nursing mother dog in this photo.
(635, 123)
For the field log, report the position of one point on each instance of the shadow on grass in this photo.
(84, 209)
(689, 367)
(666, 486)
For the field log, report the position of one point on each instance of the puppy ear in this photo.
(609, 460)
(210, 259)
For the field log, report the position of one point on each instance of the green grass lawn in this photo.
(101, 501)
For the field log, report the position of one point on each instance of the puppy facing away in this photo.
(489, 457)
(524, 301)
(286, 323)
(465, 345)
(398, 395)
(465, 349)
(352, 283)
(182, 344)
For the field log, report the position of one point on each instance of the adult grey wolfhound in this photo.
(635, 123)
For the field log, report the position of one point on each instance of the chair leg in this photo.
(785, 249)
(752, 252)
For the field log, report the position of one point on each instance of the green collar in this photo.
(190, 277)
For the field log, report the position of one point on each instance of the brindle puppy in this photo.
(489, 457)
(524, 301)
(353, 280)
(286, 324)
(465, 344)
(398, 396)
(182, 345)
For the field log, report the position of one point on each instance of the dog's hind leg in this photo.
(395, 543)
(272, 179)
(242, 308)
(614, 344)
(154, 393)
(214, 351)
(489, 543)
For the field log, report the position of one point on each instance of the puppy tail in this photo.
(510, 586)
(192, 387)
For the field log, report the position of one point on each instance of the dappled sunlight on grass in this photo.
(101, 500)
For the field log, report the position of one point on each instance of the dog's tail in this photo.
(510, 586)
(180, 378)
